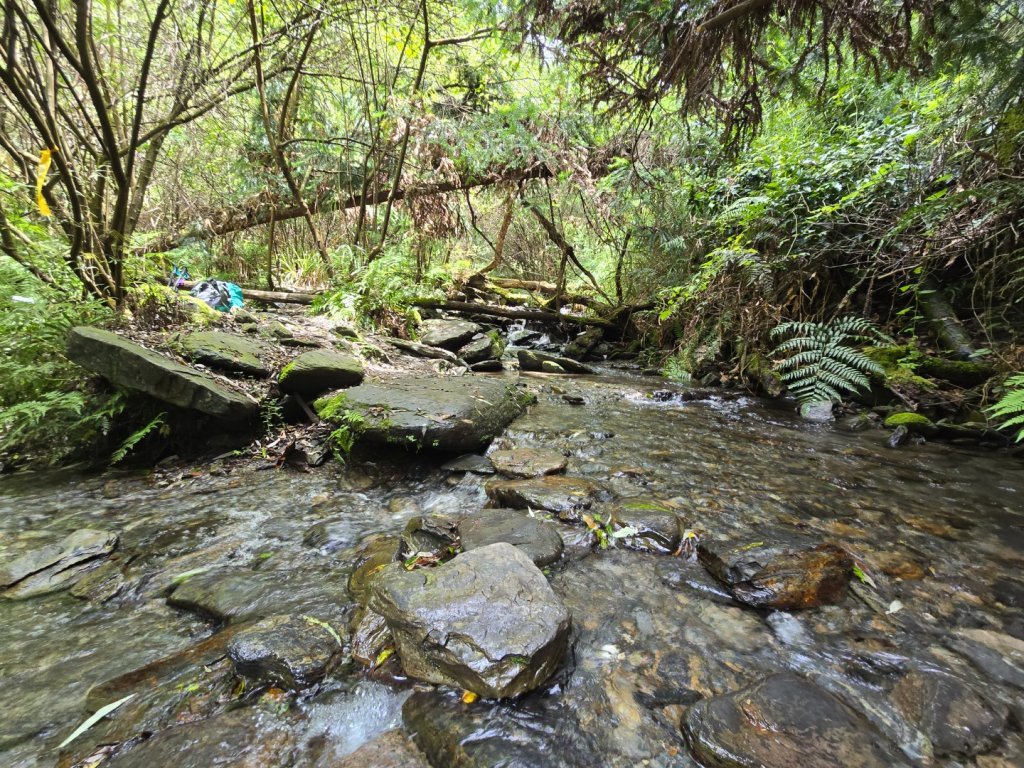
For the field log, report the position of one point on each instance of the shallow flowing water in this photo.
(937, 530)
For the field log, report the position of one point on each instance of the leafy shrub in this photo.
(820, 365)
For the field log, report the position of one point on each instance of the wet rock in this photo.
(54, 567)
(101, 584)
(131, 366)
(657, 528)
(480, 349)
(523, 336)
(772, 576)
(487, 366)
(486, 621)
(470, 462)
(226, 352)
(531, 360)
(245, 738)
(371, 557)
(447, 334)
(329, 535)
(313, 373)
(957, 719)
(899, 436)
(233, 595)
(370, 637)
(392, 749)
(486, 736)
(454, 414)
(573, 399)
(528, 462)
(784, 720)
(999, 656)
(292, 652)
(818, 412)
(431, 537)
(537, 538)
(422, 350)
(567, 497)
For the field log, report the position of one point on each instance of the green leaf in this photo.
(97, 716)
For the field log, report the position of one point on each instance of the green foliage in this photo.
(1010, 408)
(820, 365)
(349, 424)
(157, 424)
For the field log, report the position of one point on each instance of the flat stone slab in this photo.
(528, 462)
(567, 497)
(784, 720)
(455, 414)
(313, 373)
(54, 567)
(540, 540)
(134, 367)
(447, 334)
(486, 621)
(226, 352)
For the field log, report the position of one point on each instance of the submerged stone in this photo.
(470, 462)
(957, 719)
(656, 529)
(392, 749)
(444, 413)
(447, 334)
(486, 621)
(313, 373)
(538, 539)
(770, 576)
(131, 366)
(784, 721)
(54, 567)
(567, 497)
(528, 462)
(292, 652)
(226, 352)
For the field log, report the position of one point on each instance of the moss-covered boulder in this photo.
(313, 373)
(915, 423)
(444, 413)
(226, 352)
(963, 373)
(129, 365)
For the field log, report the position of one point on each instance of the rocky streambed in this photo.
(629, 576)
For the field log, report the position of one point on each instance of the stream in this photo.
(936, 531)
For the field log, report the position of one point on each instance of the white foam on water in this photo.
(348, 721)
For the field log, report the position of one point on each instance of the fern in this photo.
(136, 437)
(820, 365)
(1010, 408)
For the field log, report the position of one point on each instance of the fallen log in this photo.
(514, 313)
(283, 297)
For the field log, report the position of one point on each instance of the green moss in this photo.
(892, 357)
(908, 419)
(965, 373)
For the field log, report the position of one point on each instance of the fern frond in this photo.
(819, 362)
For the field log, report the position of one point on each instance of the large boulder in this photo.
(451, 414)
(134, 367)
(528, 462)
(226, 352)
(447, 334)
(784, 721)
(486, 621)
(313, 373)
(485, 347)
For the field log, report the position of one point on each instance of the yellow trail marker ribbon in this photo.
(44, 168)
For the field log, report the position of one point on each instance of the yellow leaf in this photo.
(383, 656)
(589, 522)
(468, 697)
(41, 171)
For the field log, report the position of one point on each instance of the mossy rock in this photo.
(963, 373)
(225, 351)
(914, 422)
(200, 313)
(313, 373)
